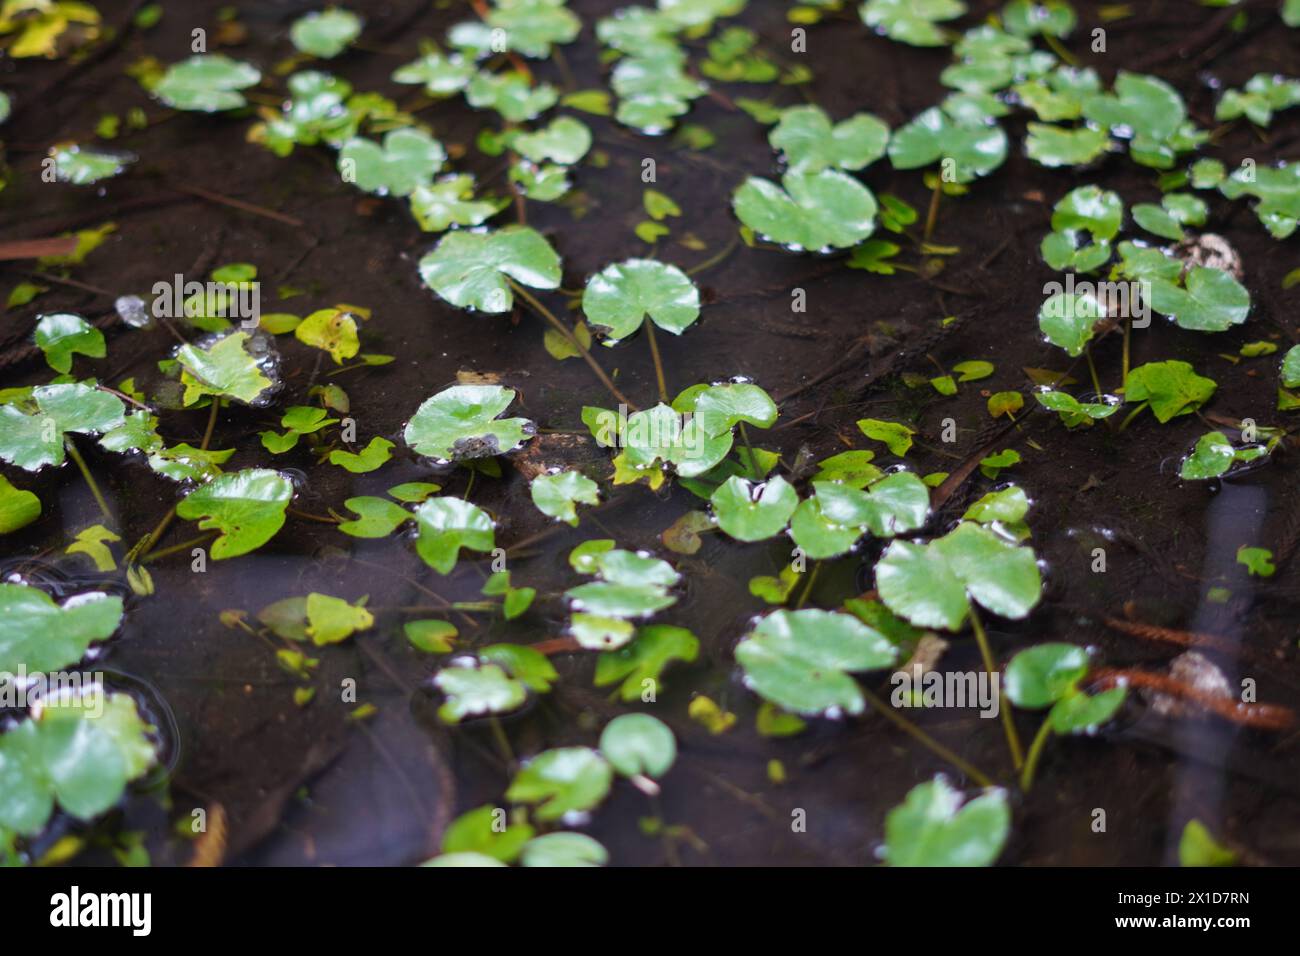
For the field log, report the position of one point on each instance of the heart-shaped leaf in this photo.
(565, 141)
(810, 142)
(809, 210)
(247, 507)
(471, 270)
(645, 658)
(32, 436)
(207, 83)
(440, 75)
(1172, 388)
(38, 635)
(234, 365)
(408, 158)
(1211, 301)
(1140, 105)
(914, 22)
(638, 745)
(975, 148)
(325, 33)
(474, 689)
(448, 524)
(461, 422)
(1069, 319)
(620, 297)
(18, 508)
(801, 660)
(563, 849)
(62, 335)
(558, 495)
(1213, 455)
(511, 95)
(932, 828)
(753, 513)
(568, 780)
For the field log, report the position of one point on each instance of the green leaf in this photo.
(81, 165)
(1171, 387)
(1278, 190)
(431, 636)
(567, 780)
(408, 158)
(461, 423)
(1006, 506)
(207, 83)
(719, 408)
(1291, 367)
(450, 201)
(911, 21)
(620, 297)
(645, 658)
(809, 210)
(476, 689)
(531, 667)
(563, 849)
(1142, 106)
(1027, 18)
(1258, 561)
(557, 495)
(930, 584)
(1053, 146)
(799, 660)
(1039, 676)
(1092, 209)
(331, 620)
(511, 95)
(325, 33)
(753, 513)
(1212, 301)
(1083, 713)
(93, 542)
(470, 269)
(18, 508)
(852, 468)
(32, 440)
(1069, 319)
(225, 368)
(638, 745)
(448, 524)
(440, 75)
(932, 828)
(532, 26)
(477, 831)
(1214, 455)
(247, 507)
(564, 140)
(1197, 846)
(897, 437)
(975, 148)
(38, 635)
(78, 753)
(373, 456)
(810, 143)
(1072, 411)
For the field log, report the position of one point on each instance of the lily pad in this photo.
(1172, 388)
(448, 524)
(932, 828)
(62, 335)
(568, 780)
(558, 495)
(975, 148)
(39, 636)
(18, 508)
(247, 507)
(440, 75)
(800, 660)
(325, 33)
(511, 95)
(641, 663)
(564, 140)
(81, 165)
(1278, 190)
(753, 513)
(206, 83)
(225, 368)
(1069, 319)
(1212, 300)
(408, 158)
(32, 436)
(621, 296)
(461, 423)
(809, 210)
(450, 202)
(810, 142)
(638, 745)
(474, 689)
(914, 22)
(472, 270)
(563, 849)
(1213, 455)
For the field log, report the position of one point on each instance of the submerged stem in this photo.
(1008, 723)
(1035, 752)
(90, 479)
(572, 339)
(932, 214)
(659, 362)
(807, 588)
(1128, 331)
(925, 740)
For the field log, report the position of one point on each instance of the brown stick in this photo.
(1260, 716)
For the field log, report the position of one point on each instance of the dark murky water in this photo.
(305, 785)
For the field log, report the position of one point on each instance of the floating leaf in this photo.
(480, 831)
(810, 142)
(470, 270)
(932, 828)
(1053, 146)
(897, 437)
(556, 496)
(1197, 846)
(641, 663)
(325, 33)
(224, 368)
(440, 75)
(93, 542)
(461, 422)
(563, 849)
(1214, 455)
(914, 22)
(373, 456)
(33, 439)
(1069, 320)
(1171, 387)
(18, 508)
(78, 753)
(809, 210)
(331, 620)
(618, 298)
(81, 165)
(638, 745)
(931, 584)
(39, 636)
(430, 636)
(450, 201)
(975, 148)
(448, 524)
(511, 95)
(408, 158)
(564, 140)
(1211, 301)
(720, 408)
(207, 83)
(567, 780)
(376, 517)
(247, 507)
(1141, 106)
(474, 689)
(62, 335)
(753, 513)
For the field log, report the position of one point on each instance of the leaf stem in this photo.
(925, 740)
(153, 556)
(564, 330)
(932, 214)
(659, 363)
(807, 588)
(1008, 723)
(1132, 415)
(1092, 371)
(212, 424)
(713, 260)
(1124, 363)
(1035, 752)
(90, 479)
